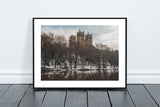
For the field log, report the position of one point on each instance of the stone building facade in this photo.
(82, 39)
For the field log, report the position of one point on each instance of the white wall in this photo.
(143, 33)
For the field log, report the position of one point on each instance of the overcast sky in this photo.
(101, 34)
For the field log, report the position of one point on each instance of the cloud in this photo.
(109, 39)
(60, 31)
(107, 35)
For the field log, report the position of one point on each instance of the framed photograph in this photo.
(79, 52)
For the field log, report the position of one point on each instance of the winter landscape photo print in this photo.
(79, 52)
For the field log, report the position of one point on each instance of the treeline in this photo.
(55, 51)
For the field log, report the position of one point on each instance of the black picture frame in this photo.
(75, 18)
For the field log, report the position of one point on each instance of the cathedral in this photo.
(82, 39)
